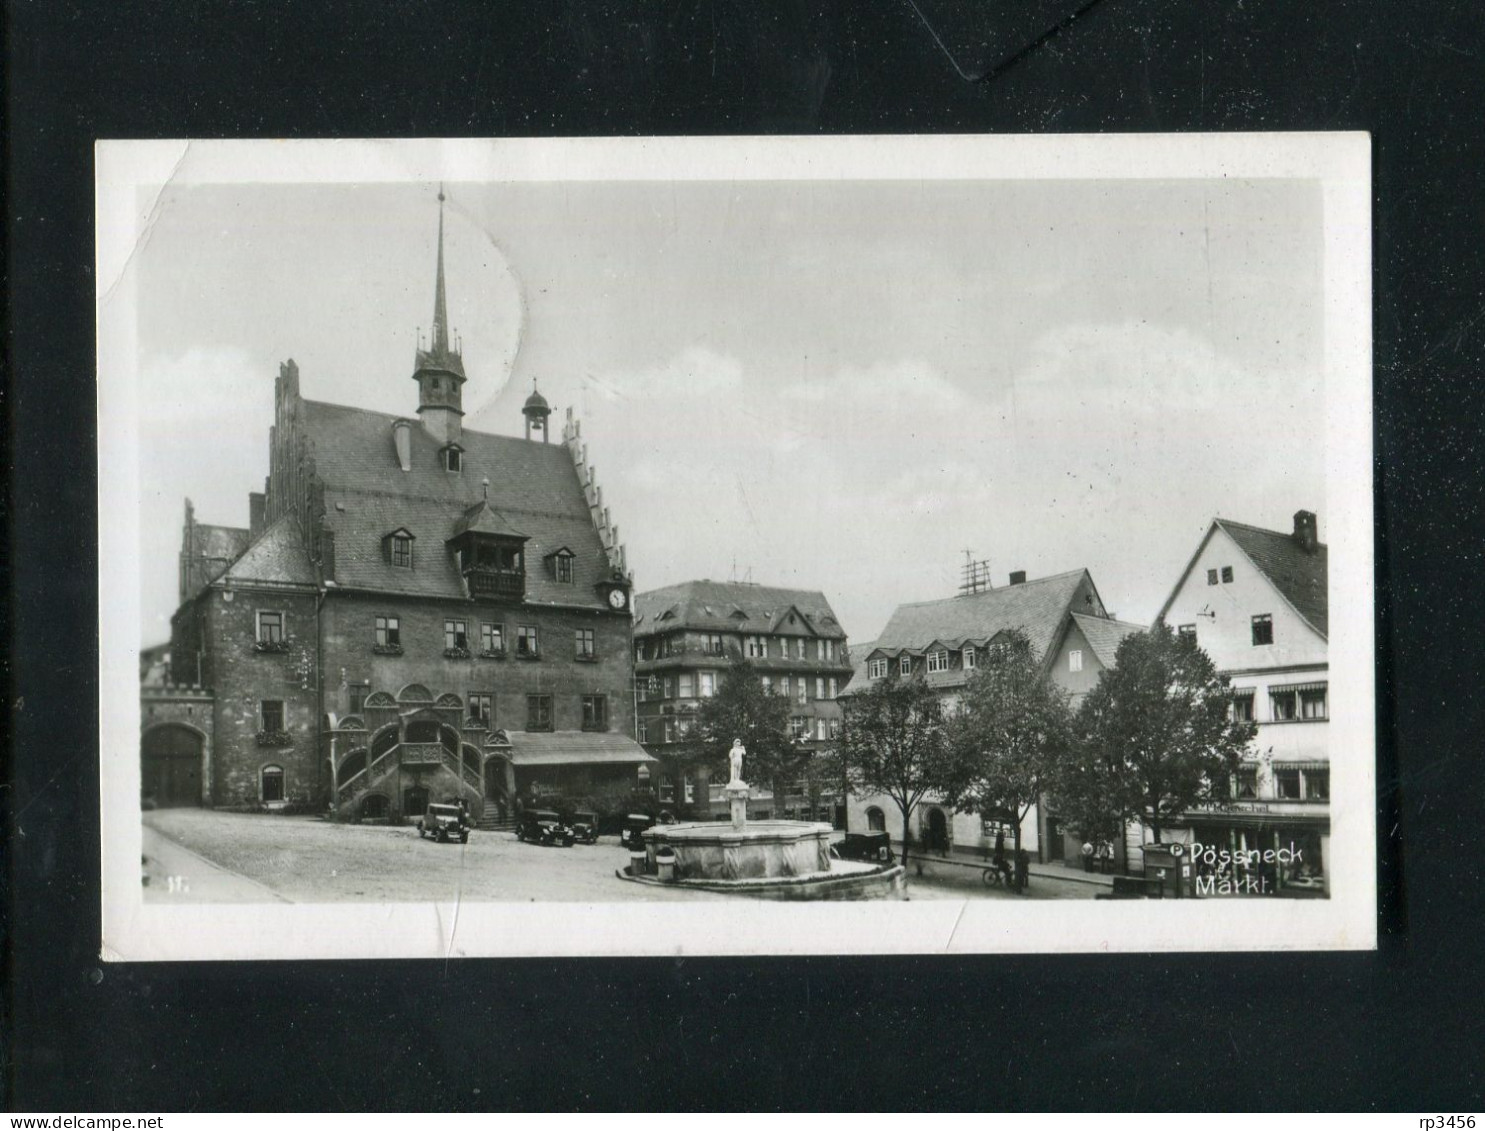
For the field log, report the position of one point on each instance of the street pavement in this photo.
(256, 858)
(173, 873)
(311, 860)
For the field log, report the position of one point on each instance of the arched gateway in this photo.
(170, 766)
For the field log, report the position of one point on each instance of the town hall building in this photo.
(416, 611)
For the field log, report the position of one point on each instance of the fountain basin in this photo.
(758, 850)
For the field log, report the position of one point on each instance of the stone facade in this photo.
(218, 633)
(340, 635)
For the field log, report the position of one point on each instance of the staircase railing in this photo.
(409, 753)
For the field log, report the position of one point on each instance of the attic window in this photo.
(453, 458)
(400, 549)
(561, 565)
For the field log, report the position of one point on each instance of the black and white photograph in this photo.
(736, 546)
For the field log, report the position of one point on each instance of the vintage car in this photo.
(543, 826)
(873, 847)
(631, 835)
(584, 826)
(444, 822)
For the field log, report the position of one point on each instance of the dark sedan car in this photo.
(444, 822)
(873, 847)
(543, 826)
(584, 825)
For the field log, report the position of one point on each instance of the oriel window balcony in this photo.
(492, 581)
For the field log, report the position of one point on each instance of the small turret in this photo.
(536, 410)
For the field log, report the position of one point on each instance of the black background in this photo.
(1400, 1028)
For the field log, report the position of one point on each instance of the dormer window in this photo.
(397, 548)
(453, 458)
(905, 665)
(559, 565)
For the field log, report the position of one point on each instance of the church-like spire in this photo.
(440, 341)
(439, 370)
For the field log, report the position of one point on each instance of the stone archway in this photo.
(171, 766)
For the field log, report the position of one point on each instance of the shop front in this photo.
(596, 769)
(1260, 848)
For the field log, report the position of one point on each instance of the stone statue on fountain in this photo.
(735, 757)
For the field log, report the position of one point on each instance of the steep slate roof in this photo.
(1038, 608)
(533, 486)
(277, 556)
(712, 605)
(225, 542)
(1302, 579)
(1104, 635)
(564, 747)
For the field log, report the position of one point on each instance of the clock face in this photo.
(617, 598)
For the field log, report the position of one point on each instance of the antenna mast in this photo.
(974, 575)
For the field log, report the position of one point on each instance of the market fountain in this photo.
(773, 859)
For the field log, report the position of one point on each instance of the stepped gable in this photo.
(533, 486)
(277, 557)
(715, 605)
(1302, 578)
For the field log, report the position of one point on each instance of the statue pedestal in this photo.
(737, 802)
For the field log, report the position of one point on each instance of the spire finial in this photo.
(440, 341)
(485, 488)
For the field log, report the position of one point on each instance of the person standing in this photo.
(1087, 856)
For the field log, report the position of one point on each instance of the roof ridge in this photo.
(1261, 529)
(1028, 583)
(392, 417)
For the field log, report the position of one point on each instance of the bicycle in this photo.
(996, 876)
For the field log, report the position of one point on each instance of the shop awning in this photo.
(574, 748)
(1287, 688)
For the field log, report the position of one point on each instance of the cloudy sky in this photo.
(831, 385)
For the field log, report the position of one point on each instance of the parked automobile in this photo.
(584, 825)
(630, 836)
(444, 822)
(543, 826)
(873, 847)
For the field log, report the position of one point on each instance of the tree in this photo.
(741, 708)
(1158, 723)
(894, 743)
(1085, 790)
(1013, 727)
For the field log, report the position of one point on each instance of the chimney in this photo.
(402, 441)
(1305, 532)
(1018, 577)
(256, 500)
